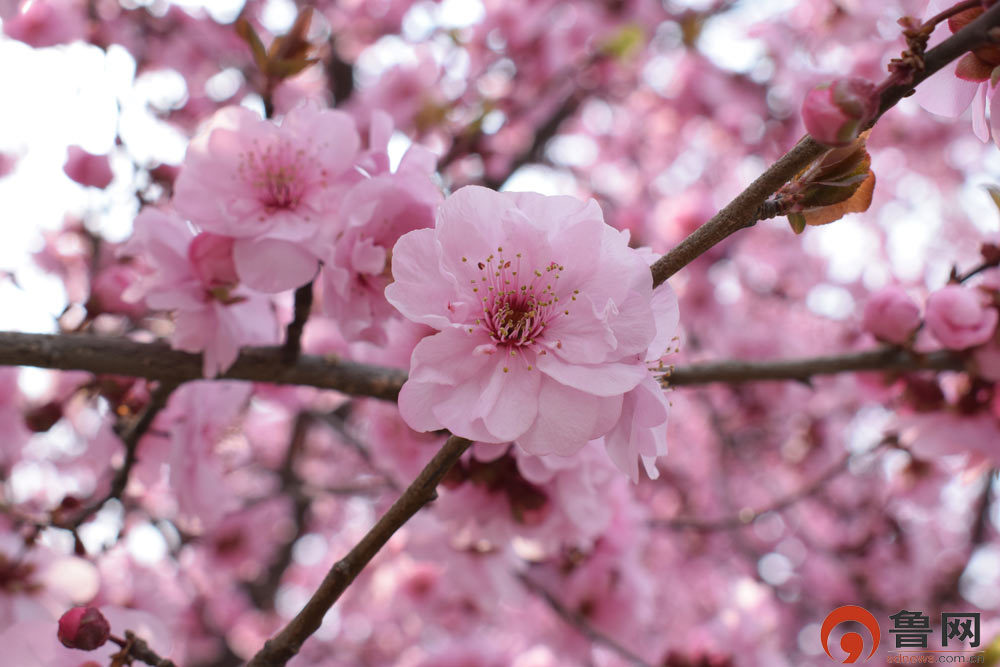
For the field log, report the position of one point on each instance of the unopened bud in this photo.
(84, 628)
(836, 113)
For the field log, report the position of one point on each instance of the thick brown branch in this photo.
(881, 359)
(742, 212)
(284, 645)
(156, 361)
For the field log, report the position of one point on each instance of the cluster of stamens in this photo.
(517, 304)
(276, 176)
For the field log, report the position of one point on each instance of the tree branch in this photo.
(130, 438)
(743, 211)
(747, 515)
(156, 361)
(579, 623)
(880, 359)
(283, 646)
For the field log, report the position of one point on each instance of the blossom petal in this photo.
(271, 265)
(516, 404)
(605, 379)
(421, 291)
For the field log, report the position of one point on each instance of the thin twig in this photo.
(742, 212)
(130, 438)
(136, 648)
(746, 516)
(283, 646)
(263, 589)
(579, 623)
(293, 334)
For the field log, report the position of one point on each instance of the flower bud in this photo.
(84, 628)
(211, 255)
(836, 113)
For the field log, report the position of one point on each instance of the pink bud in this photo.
(960, 317)
(84, 628)
(834, 114)
(891, 316)
(88, 169)
(211, 255)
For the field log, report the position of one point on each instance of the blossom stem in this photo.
(136, 648)
(283, 646)
(744, 210)
(293, 334)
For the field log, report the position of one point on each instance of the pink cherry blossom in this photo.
(88, 169)
(189, 276)
(275, 189)
(891, 315)
(967, 81)
(543, 314)
(960, 317)
(378, 210)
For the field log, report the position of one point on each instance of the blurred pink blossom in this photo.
(88, 169)
(891, 315)
(213, 318)
(960, 317)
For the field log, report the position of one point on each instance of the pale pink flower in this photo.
(190, 275)
(42, 23)
(967, 81)
(544, 317)
(87, 169)
(891, 315)
(377, 211)
(960, 317)
(199, 415)
(275, 189)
